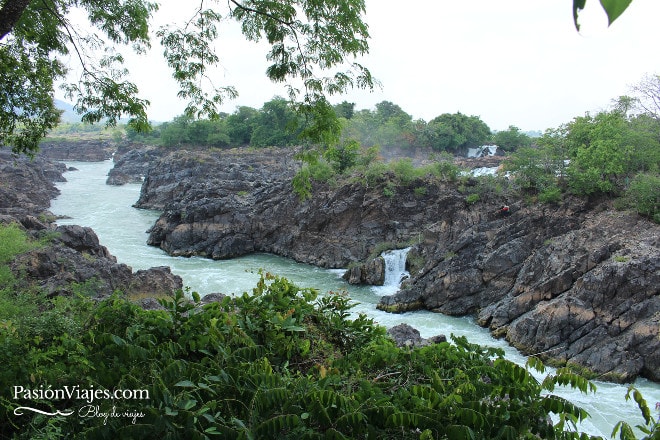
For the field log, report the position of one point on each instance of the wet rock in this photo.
(370, 273)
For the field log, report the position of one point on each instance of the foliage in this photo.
(343, 156)
(275, 125)
(456, 132)
(511, 139)
(643, 195)
(279, 362)
(650, 428)
(313, 48)
(611, 153)
(13, 241)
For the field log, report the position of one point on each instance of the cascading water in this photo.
(484, 150)
(395, 271)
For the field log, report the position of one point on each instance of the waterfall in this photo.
(395, 267)
(482, 151)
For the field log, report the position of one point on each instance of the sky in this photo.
(510, 62)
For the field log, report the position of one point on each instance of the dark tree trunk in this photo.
(10, 14)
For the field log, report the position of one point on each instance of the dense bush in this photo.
(279, 362)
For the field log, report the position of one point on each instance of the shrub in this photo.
(279, 362)
(550, 195)
(472, 199)
(643, 195)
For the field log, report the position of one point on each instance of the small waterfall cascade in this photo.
(395, 267)
(482, 151)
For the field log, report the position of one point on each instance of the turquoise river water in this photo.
(88, 201)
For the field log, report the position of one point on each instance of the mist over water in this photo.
(88, 201)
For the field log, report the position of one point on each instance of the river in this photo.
(88, 201)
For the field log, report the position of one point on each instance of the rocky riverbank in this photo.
(70, 258)
(577, 283)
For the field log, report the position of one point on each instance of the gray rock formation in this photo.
(405, 335)
(83, 150)
(72, 259)
(372, 273)
(576, 283)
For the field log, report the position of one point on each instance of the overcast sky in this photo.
(510, 62)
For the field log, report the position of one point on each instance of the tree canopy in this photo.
(314, 46)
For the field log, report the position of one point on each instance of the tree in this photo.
(345, 109)
(647, 92)
(454, 132)
(313, 47)
(275, 125)
(511, 139)
(240, 125)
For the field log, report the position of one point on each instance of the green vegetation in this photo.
(13, 241)
(612, 154)
(511, 139)
(279, 362)
(313, 43)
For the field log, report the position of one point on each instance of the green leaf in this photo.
(185, 384)
(187, 404)
(578, 5)
(614, 8)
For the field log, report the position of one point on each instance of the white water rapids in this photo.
(88, 201)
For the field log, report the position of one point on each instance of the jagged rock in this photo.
(212, 297)
(26, 186)
(524, 275)
(371, 273)
(73, 260)
(84, 150)
(227, 204)
(132, 164)
(150, 304)
(83, 240)
(154, 281)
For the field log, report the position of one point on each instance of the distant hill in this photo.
(69, 114)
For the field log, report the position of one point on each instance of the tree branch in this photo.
(256, 11)
(10, 13)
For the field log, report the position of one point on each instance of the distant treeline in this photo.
(277, 124)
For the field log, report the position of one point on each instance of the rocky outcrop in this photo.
(26, 186)
(75, 262)
(83, 150)
(223, 205)
(405, 335)
(71, 259)
(371, 273)
(575, 283)
(131, 164)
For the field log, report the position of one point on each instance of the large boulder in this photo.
(370, 273)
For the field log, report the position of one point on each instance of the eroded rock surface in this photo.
(576, 283)
(70, 258)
